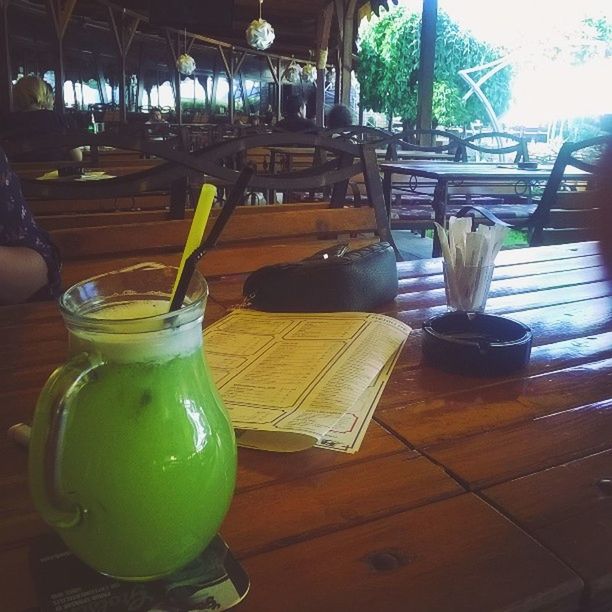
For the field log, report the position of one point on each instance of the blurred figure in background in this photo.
(34, 116)
(339, 116)
(29, 262)
(295, 116)
(155, 116)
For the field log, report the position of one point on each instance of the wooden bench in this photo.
(288, 232)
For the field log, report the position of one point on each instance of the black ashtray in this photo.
(476, 344)
(527, 165)
(70, 171)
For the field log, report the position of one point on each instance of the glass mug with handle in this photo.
(132, 456)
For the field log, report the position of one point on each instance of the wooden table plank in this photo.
(414, 284)
(258, 468)
(503, 454)
(413, 382)
(511, 257)
(570, 512)
(590, 282)
(445, 556)
(548, 323)
(328, 501)
(445, 418)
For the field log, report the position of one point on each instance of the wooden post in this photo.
(323, 28)
(6, 81)
(279, 90)
(348, 36)
(140, 80)
(173, 56)
(228, 64)
(101, 80)
(276, 75)
(124, 35)
(60, 13)
(426, 68)
(237, 65)
(338, 83)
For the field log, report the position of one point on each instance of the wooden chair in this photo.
(254, 236)
(486, 145)
(362, 134)
(171, 177)
(567, 213)
(440, 142)
(347, 160)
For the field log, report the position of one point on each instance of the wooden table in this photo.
(305, 155)
(445, 173)
(468, 494)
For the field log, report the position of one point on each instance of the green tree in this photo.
(389, 51)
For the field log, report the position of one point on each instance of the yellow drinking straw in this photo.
(196, 231)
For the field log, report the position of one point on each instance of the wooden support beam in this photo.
(348, 37)
(339, 6)
(213, 91)
(323, 30)
(124, 32)
(238, 61)
(101, 80)
(189, 44)
(279, 90)
(426, 67)
(60, 13)
(6, 81)
(226, 62)
(230, 93)
(273, 70)
(174, 53)
(229, 65)
(140, 79)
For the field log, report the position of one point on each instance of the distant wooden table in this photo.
(417, 155)
(468, 494)
(292, 154)
(445, 173)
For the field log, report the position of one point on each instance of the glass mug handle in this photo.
(48, 428)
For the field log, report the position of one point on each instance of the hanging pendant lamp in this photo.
(309, 73)
(185, 64)
(260, 34)
(293, 73)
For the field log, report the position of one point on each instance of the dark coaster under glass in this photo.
(213, 581)
(476, 344)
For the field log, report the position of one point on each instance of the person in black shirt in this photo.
(294, 119)
(33, 116)
(339, 116)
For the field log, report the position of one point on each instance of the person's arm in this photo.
(29, 262)
(23, 272)
(76, 154)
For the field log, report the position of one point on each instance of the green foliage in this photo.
(389, 61)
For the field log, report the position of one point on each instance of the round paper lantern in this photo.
(309, 73)
(259, 34)
(185, 64)
(293, 73)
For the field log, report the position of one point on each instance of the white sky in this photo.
(542, 91)
(512, 22)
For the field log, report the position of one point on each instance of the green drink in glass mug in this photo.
(132, 454)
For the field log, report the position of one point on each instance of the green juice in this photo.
(148, 452)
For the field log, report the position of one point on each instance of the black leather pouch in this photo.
(359, 280)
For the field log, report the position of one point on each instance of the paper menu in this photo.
(293, 380)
